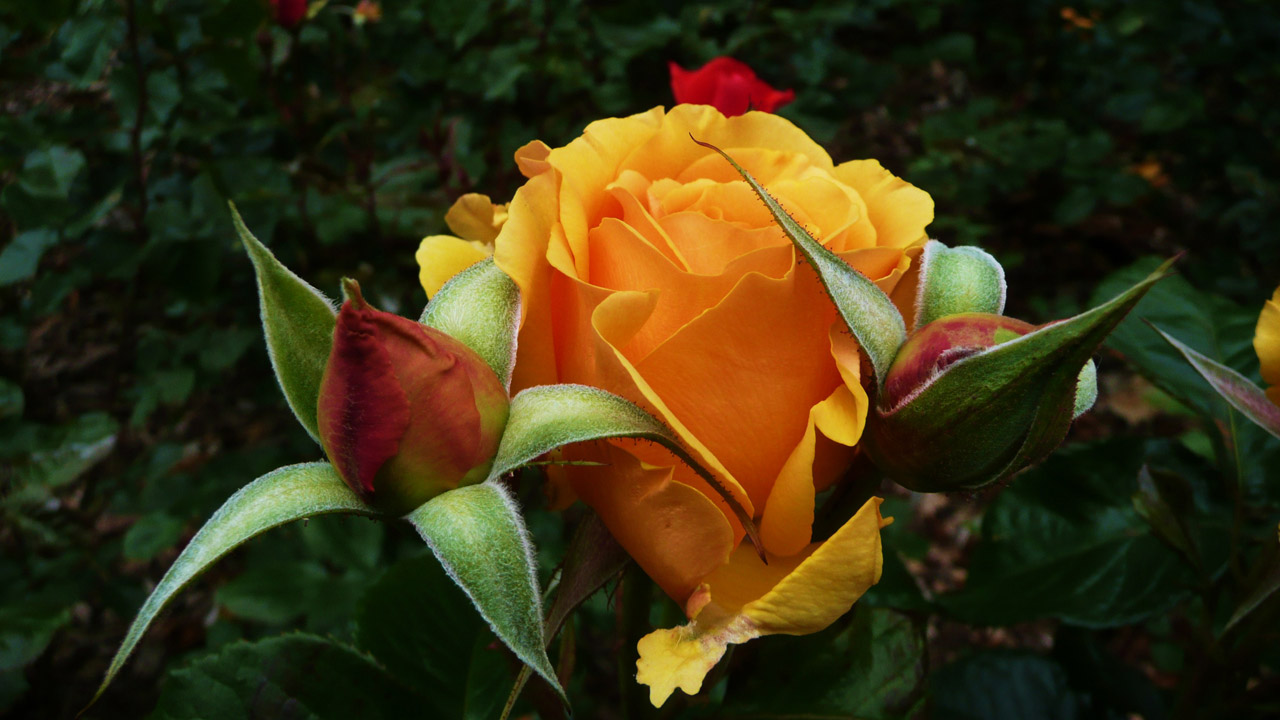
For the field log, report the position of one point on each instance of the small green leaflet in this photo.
(279, 497)
(1235, 388)
(480, 307)
(298, 321)
(478, 535)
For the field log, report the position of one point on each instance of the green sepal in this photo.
(995, 412)
(1086, 389)
(957, 280)
(479, 537)
(1235, 388)
(480, 307)
(279, 497)
(298, 322)
(871, 316)
(550, 416)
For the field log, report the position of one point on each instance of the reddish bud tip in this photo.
(938, 345)
(406, 412)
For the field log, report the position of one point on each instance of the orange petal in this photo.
(669, 150)
(742, 376)
(787, 524)
(521, 252)
(898, 210)
(674, 532)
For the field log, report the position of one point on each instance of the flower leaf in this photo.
(958, 280)
(279, 497)
(298, 321)
(479, 537)
(1235, 388)
(480, 307)
(866, 309)
(550, 416)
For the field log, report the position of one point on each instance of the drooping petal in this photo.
(784, 597)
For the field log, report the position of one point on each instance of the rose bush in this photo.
(650, 269)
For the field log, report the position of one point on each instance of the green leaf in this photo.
(592, 559)
(479, 537)
(1214, 326)
(1005, 685)
(296, 676)
(21, 257)
(298, 322)
(279, 497)
(49, 173)
(12, 401)
(480, 307)
(1066, 542)
(1223, 332)
(63, 454)
(869, 313)
(151, 535)
(871, 667)
(550, 416)
(958, 280)
(426, 632)
(1235, 388)
(991, 414)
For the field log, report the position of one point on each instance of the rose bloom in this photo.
(1266, 342)
(728, 85)
(649, 268)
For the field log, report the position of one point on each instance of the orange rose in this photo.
(650, 269)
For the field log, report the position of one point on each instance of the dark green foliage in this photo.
(136, 394)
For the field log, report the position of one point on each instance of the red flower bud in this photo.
(727, 85)
(934, 347)
(406, 412)
(289, 12)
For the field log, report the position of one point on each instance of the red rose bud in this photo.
(727, 85)
(933, 435)
(406, 412)
(288, 13)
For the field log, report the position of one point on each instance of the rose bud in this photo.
(406, 412)
(288, 12)
(727, 85)
(933, 436)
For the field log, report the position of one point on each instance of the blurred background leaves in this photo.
(1070, 140)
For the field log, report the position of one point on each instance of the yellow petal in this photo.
(814, 594)
(440, 257)
(787, 524)
(1266, 342)
(475, 217)
(898, 210)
